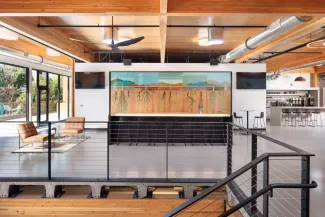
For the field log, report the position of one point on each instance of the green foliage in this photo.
(13, 86)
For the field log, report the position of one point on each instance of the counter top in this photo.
(169, 115)
(289, 107)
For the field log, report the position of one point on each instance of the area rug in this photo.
(58, 146)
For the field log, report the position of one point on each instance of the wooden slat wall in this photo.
(174, 100)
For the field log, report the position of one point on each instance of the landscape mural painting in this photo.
(170, 92)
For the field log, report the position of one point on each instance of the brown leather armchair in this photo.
(74, 126)
(29, 135)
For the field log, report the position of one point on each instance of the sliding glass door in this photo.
(13, 92)
(42, 97)
(50, 97)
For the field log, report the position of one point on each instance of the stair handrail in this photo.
(231, 177)
(266, 189)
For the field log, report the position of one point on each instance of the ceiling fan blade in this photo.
(129, 42)
(88, 42)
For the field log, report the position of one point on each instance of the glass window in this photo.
(53, 91)
(13, 93)
(64, 97)
(34, 95)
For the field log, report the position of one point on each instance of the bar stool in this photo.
(297, 114)
(317, 115)
(238, 120)
(286, 116)
(259, 121)
(309, 120)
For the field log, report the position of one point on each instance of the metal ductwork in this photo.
(277, 74)
(15, 53)
(319, 63)
(275, 29)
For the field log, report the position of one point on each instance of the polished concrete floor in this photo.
(89, 159)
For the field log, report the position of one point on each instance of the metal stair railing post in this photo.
(229, 149)
(266, 180)
(305, 179)
(254, 172)
(108, 144)
(166, 151)
(49, 150)
(269, 188)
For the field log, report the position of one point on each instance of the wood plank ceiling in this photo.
(178, 39)
(160, 13)
(153, 6)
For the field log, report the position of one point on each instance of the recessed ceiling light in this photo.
(7, 34)
(51, 52)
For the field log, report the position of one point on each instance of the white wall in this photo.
(94, 104)
(286, 81)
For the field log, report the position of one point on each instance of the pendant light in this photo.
(7, 34)
(300, 78)
(215, 36)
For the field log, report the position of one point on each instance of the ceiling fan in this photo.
(114, 46)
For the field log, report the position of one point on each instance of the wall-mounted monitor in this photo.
(90, 80)
(251, 80)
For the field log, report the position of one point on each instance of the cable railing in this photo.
(117, 151)
(271, 184)
(167, 152)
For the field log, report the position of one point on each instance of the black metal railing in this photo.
(169, 152)
(272, 184)
(118, 151)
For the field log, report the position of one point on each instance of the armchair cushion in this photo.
(75, 123)
(36, 139)
(26, 130)
(71, 131)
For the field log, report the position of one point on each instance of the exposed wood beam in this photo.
(35, 49)
(163, 6)
(293, 7)
(319, 69)
(291, 35)
(163, 30)
(163, 37)
(114, 7)
(288, 61)
(79, 6)
(54, 38)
